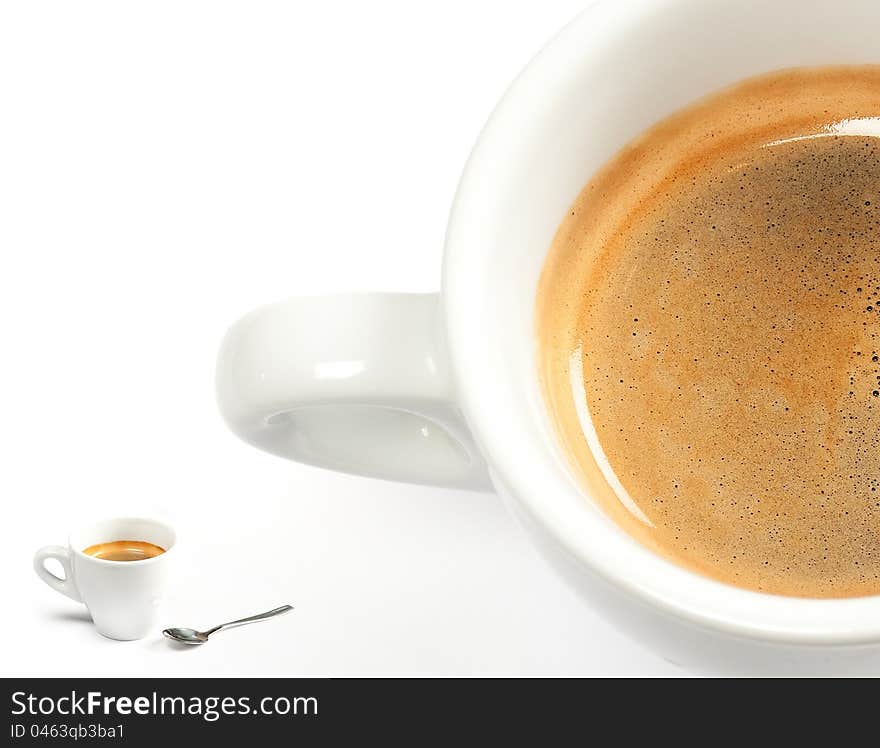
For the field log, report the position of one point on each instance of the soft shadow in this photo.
(171, 644)
(68, 616)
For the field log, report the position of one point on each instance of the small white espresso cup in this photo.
(121, 596)
(444, 388)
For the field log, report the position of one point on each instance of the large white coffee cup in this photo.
(122, 597)
(443, 389)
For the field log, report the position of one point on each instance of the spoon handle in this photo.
(252, 619)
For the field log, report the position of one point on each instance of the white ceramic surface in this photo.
(122, 597)
(383, 384)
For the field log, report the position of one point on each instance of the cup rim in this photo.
(106, 562)
(504, 428)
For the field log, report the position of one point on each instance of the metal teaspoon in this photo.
(191, 636)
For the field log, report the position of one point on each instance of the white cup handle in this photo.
(65, 586)
(356, 383)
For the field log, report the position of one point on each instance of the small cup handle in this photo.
(65, 586)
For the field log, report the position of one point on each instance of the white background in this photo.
(164, 168)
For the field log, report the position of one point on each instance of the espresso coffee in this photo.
(124, 550)
(709, 334)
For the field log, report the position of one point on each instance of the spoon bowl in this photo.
(186, 636)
